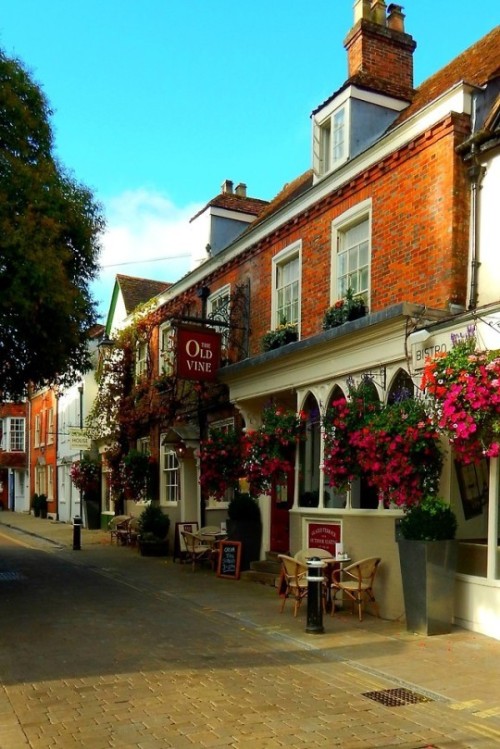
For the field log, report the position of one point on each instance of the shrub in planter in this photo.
(431, 520)
(153, 527)
(428, 558)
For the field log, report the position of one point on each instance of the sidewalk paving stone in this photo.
(259, 681)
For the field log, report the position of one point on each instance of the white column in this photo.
(491, 572)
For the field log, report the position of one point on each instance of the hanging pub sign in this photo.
(198, 353)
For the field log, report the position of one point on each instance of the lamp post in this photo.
(80, 393)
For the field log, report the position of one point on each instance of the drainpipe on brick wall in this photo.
(475, 173)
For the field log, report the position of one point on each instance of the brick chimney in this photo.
(227, 187)
(379, 52)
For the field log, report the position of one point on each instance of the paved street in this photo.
(104, 648)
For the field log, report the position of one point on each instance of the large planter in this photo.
(153, 548)
(428, 574)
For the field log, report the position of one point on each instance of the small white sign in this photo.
(78, 439)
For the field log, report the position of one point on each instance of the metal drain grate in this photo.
(396, 697)
(11, 576)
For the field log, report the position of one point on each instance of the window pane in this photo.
(363, 253)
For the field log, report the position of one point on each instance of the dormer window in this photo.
(331, 142)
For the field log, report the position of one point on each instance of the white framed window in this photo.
(167, 350)
(286, 286)
(38, 430)
(170, 476)
(50, 426)
(330, 139)
(50, 482)
(144, 445)
(141, 360)
(351, 242)
(218, 308)
(338, 136)
(40, 480)
(14, 434)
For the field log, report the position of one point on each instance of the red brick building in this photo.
(13, 457)
(386, 211)
(43, 447)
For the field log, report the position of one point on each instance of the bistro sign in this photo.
(198, 353)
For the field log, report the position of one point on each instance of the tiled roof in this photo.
(289, 192)
(476, 65)
(137, 291)
(233, 202)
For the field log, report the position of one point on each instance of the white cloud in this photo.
(147, 236)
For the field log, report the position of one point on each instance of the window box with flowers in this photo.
(282, 335)
(351, 307)
(269, 452)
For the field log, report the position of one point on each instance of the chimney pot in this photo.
(395, 17)
(378, 12)
(241, 190)
(227, 187)
(361, 10)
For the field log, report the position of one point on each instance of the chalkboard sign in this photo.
(229, 559)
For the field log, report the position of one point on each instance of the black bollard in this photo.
(77, 533)
(315, 596)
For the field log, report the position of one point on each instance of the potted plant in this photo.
(428, 558)
(244, 524)
(153, 527)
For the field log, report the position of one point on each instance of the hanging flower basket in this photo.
(85, 474)
(220, 462)
(464, 385)
(138, 472)
(395, 447)
(269, 452)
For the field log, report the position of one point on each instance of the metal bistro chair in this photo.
(197, 550)
(356, 581)
(294, 576)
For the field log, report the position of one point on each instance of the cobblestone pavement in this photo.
(101, 647)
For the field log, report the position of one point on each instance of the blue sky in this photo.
(157, 102)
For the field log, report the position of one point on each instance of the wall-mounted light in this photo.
(419, 336)
(180, 449)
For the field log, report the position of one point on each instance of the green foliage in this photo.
(351, 307)
(285, 333)
(153, 523)
(431, 520)
(49, 232)
(243, 508)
